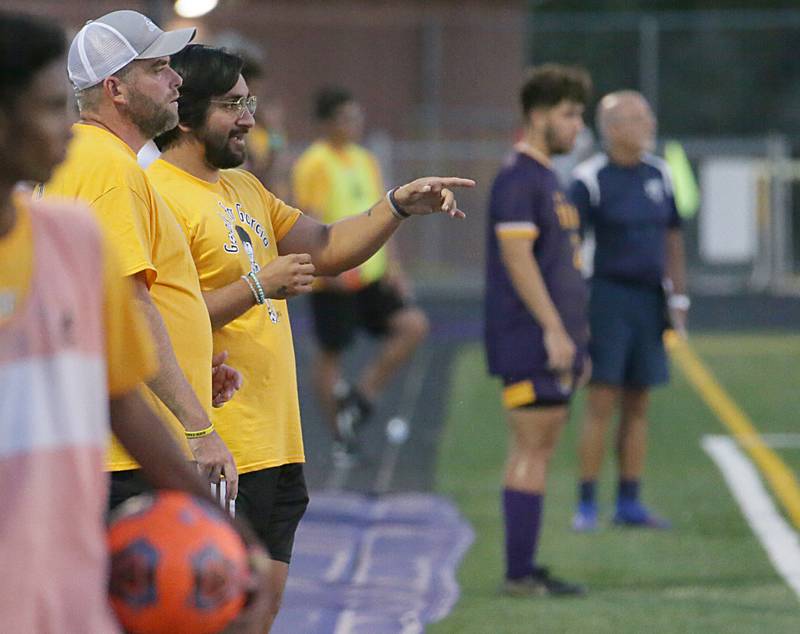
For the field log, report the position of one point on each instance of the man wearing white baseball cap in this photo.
(127, 94)
(104, 46)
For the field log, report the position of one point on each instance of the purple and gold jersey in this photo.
(527, 201)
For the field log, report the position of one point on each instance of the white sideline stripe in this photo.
(776, 536)
(345, 623)
(338, 565)
(53, 402)
(447, 577)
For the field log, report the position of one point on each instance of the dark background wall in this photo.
(415, 65)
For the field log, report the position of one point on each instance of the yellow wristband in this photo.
(199, 433)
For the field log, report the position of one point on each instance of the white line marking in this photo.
(345, 622)
(337, 566)
(447, 577)
(776, 536)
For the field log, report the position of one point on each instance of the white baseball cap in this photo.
(105, 45)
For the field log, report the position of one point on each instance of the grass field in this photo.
(709, 574)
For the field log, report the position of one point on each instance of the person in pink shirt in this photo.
(73, 353)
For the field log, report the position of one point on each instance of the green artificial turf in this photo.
(708, 574)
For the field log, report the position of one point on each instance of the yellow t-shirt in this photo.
(340, 183)
(130, 353)
(233, 227)
(101, 170)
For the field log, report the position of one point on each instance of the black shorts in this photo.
(337, 316)
(125, 485)
(272, 500)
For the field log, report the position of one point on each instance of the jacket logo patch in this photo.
(654, 189)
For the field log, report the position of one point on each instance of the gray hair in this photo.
(89, 98)
(607, 109)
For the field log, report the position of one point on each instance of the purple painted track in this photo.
(369, 565)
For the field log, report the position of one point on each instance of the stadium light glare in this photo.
(194, 8)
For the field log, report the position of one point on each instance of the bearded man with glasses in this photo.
(252, 252)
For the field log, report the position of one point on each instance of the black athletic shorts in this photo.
(337, 316)
(273, 501)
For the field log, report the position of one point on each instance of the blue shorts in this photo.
(627, 324)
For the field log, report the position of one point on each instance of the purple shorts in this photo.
(542, 388)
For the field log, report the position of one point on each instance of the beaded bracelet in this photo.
(262, 297)
(251, 287)
(199, 433)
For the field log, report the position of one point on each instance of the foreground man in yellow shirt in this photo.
(127, 93)
(252, 251)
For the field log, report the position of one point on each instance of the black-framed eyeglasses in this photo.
(239, 105)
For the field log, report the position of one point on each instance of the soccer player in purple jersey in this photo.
(536, 327)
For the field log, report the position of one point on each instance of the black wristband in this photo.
(397, 210)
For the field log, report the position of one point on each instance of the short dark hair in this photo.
(549, 84)
(207, 72)
(328, 100)
(27, 45)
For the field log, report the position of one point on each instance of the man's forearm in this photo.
(147, 439)
(170, 384)
(150, 443)
(229, 302)
(346, 243)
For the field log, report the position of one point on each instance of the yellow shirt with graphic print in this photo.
(233, 227)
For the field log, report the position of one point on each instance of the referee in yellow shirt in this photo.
(334, 176)
(252, 251)
(127, 93)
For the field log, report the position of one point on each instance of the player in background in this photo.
(74, 350)
(334, 176)
(246, 280)
(127, 94)
(535, 307)
(625, 195)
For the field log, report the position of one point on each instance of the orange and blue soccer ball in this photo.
(177, 567)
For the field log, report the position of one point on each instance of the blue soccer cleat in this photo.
(585, 518)
(637, 515)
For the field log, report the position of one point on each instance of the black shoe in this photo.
(352, 412)
(540, 584)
